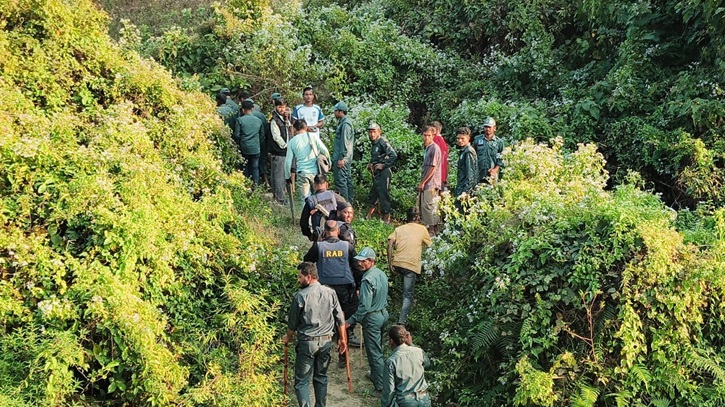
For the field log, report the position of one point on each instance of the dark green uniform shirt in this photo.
(382, 153)
(315, 311)
(404, 373)
(373, 294)
(234, 106)
(467, 170)
(489, 154)
(344, 139)
(228, 115)
(247, 133)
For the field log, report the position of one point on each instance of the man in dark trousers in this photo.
(489, 149)
(345, 215)
(313, 315)
(280, 133)
(228, 114)
(405, 251)
(334, 259)
(249, 134)
(382, 157)
(342, 152)
(319, 207)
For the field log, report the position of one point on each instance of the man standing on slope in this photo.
(309, 112)
(408, 241)
(248, 133)
(430, 182)
(382, 157)
(313, 315)
(467, 164)
(334, 259)
(229, 116)
(280, 133)
(342, 152)
(441, 143)
(489, 149)
(300, 148)
(371, 312)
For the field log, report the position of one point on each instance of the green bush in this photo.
(126, 250)
(572, 294)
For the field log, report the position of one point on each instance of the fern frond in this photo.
(659, 402)
(586, 397)
(642, 374)
(705, 364)
(484, 337)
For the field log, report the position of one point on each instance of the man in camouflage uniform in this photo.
(313, 315)
(382, 157)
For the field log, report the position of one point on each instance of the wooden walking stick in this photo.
(347, 360)
(291, 201)
(286, 363)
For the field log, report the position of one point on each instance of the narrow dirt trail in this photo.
(337, 388)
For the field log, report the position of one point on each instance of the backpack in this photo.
(326, 205)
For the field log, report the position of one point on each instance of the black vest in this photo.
(333, 264)
(274, 148)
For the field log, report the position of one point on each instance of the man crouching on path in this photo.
(404, 383)
(314, 314)
(372, 314)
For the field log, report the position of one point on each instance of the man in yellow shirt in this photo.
(405, 249)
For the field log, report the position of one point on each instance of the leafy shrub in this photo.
(126, 251)
(573, 294)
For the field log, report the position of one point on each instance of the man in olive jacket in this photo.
(342, 152)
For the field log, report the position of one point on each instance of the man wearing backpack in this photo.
(319, 207)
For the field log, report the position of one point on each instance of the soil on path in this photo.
(337, 388)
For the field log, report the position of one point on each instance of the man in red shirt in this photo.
(441, 142)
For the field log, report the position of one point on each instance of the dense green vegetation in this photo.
(129, 257)
(136, 268)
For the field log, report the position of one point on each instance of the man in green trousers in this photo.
(404, 382)
(382, 157)
(371, 313)
(342, 152)
(313, 315)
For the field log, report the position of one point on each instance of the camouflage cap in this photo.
(489, 122)
(373, 126)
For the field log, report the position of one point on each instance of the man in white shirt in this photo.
(310, 112)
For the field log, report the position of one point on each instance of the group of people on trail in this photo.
(341, 287)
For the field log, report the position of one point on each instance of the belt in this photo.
(317, 338)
